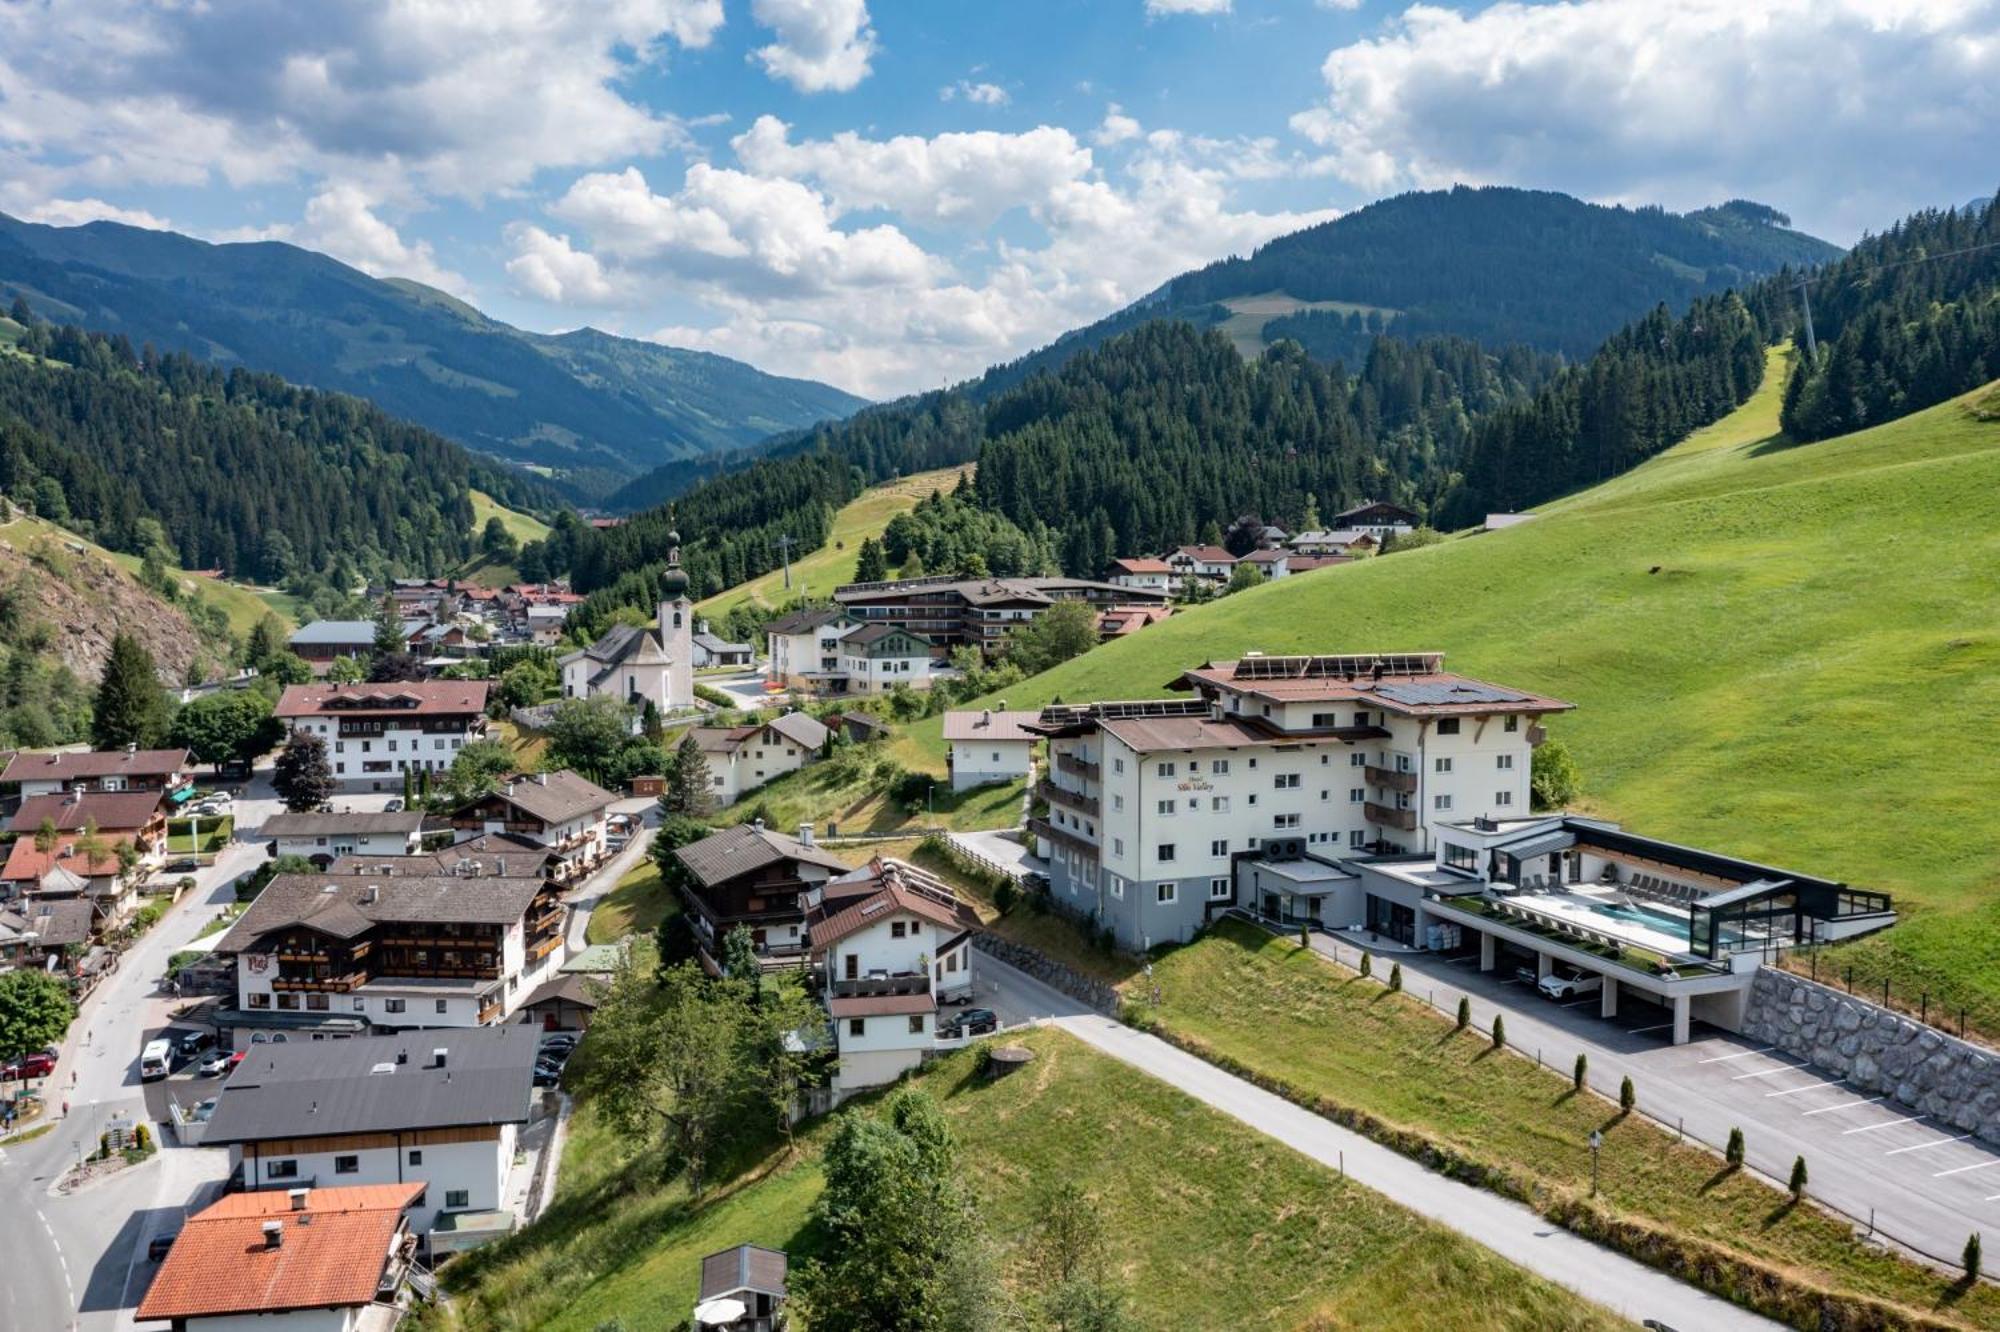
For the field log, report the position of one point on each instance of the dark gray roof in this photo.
(745, 1267)
(744, 848)
(715, 644)
(555, 797)
(800, 728)
(571, 988)
(876, 632)
(310, 1089)
(799, 621)
(335, 633)
(1433, 693)
(58, 921)
(405, 888)
(359, 823)
(621, 645)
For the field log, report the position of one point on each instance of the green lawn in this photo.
(1239, 1232)
(215, 835)
(521, 526)
(846, 794)
(1289, 1014)
(636, 906)
(1790, 654)
(818, 572)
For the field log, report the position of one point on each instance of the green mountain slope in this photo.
(594, 407)
(1790, 653)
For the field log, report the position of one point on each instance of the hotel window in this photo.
(1447, 726)
(1441, 802)
(1356, 838)
(1503, 797)
(316, 1003)
(287, 1169)
(1253, 765)
(1218, 847)
(1221, 766)
(916, 1024)
(1117, 803)
(1165, 893)
(443, 1006)
(288, 1001)
(1357, 759)
(1286, 781)
(260, 1001)
(392, 1005)
(1117, 846)
(1166, 807)
(1461, 857)
(1218, 889)
(1510, 725)
(1325, 721)
(1252, 800)
(1165, 770)
(346, 1165)
(1360, 719)
(457, 1199)
(360, 1004)
(1283, 821)
(1118, 765)
(416, 1156)
(1504, 761)
(1441, 765)
(857, 1026)
(1220, 804)
(1356, 795)
(1164, 853)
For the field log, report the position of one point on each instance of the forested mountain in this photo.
(595, 408)
(1910, 318)
(230, 469)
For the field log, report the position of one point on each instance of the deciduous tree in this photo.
(35, 1011)
(302, 777)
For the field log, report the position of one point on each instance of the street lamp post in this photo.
(1596, 1143)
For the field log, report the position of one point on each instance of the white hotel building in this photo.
(1162, 812)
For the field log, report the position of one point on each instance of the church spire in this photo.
(674, 582)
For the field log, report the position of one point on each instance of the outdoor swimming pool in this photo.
(1651, 917)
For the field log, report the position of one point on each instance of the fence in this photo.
(1349, 956)
(1887, 996)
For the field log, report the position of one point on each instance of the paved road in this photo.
(1509, 1229)
(583, 899)
(1927, 1186)
(746, 687)
(1001, 849)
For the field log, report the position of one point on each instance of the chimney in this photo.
(805, 834)
(541, 779)
(438, 1056)
(403, 1056)
(758, 823)
(274, 1234)
(131, 746)
(298, 1198)
(986, 716)
(371, 894)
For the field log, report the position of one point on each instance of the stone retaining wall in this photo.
(1084, 989)
(1878, 1051)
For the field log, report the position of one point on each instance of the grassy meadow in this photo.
(1786, 653)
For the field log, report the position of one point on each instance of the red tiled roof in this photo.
(1141, 566)
(331, 1254)
(25, 864)
(432, 698)
(95, 763)
(114, 811)
(890, 886)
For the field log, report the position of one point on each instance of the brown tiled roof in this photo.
(58, 921)
(555, 797)
(428, 698)
(722, 739)
(1142, 566)
(1420, 691)
(880, 1005)
(336, 902)
(94, 763)
(330, 1255)
(1207, 554)
(878, 892)
(744, 848)
(114, 811)
(987, 725)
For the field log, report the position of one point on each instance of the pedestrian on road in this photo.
(65, 1107)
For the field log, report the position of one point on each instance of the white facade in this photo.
(868, 674)
(1147, 579)
(933, 960)
(977, 762)
(291, 1320)
(336, 845)
(745, 766)
(459, 1176)
(377, 762)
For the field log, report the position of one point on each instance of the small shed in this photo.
(742, 1290)
(564, 1002)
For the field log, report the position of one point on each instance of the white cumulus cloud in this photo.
(979, 94)
(821, 46)
(546, 266)
(1158, 7)
(1839, 111)
(341, 221)
(75, 212)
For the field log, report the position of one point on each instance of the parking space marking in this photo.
(1961, 1170)
(1641, 1031)
(1844, 1105)
(1579, 1003)
(1767, 1072)
(1744, 1055)
(1794, 1091)
(1926, 1146)
(1887, 1123)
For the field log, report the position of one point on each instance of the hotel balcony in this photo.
(1076, 800)
(1405, 782)
(1068, 836)
(1082, 767)
(1405, 819)
(541, 948)
(319, 984)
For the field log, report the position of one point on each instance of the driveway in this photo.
(1002, 851)
(1925, 1186)
(745, 688)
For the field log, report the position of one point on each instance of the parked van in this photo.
(156, 1060)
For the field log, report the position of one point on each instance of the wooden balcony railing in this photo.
(1076, 800)
(1068, 836)
(1082, 767)
(1406, 819)
(1391, 778)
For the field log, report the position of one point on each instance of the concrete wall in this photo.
(1876, 1050)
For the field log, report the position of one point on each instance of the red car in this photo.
(37, 1065)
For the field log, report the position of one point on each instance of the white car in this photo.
(1558, 986)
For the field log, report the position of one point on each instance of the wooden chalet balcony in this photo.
(1082, 767)
(1391, 778)
(869, 987)
(319, 984)
(1406, 819)
(541, 948)
(400, 971)
(1067, 836)
(1076, 800)
(424, 938)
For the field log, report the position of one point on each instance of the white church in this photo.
(641, 665)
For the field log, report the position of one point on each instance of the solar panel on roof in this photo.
(1457, 691)
(1340, 666)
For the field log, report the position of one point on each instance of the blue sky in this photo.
(892, 195)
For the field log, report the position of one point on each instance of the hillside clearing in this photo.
(1786, 653)
(1249, 314)
(816, 573)
(1240, 1224)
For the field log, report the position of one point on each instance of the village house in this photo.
(1155, 805)
(69, 867)
(804, 647)
(742, 1290)
(1377, 519)
(989, 746)
(375, 733)
(742, 758)
(1150, 574)
(438, 1108)
(1325, 543)
(750, 876)
(162, 770)
(1274, 562)
(875, 658)
(544, 623)
(300, 1260)
(891, 942)
(560, 812)
(1191, 564)
(324, 642)
(1119, 621)
(392, 943)
(47, 933)
(712, 652)
(323, 837)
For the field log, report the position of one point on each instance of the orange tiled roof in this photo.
(26, 864)
(331, 1255)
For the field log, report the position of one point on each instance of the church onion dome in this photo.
(674, 582)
